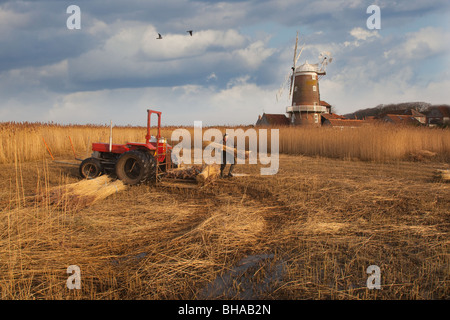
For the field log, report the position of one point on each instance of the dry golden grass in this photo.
(309, 232)
(26, 140)
(373, 143)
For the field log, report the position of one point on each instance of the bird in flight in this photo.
(159, 36)
(190, 32)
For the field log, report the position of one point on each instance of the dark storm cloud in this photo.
(39, 35)
(116, 51)
(44, 39)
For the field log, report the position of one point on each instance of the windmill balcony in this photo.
(307, 108)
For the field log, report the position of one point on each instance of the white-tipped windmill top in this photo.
(307, 67)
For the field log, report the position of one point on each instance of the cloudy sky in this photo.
(228, 72)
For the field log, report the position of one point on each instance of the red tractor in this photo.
(134, 163)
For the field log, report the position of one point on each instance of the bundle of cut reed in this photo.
(442, 175)
(209, 173)
(184, 173)
(83, 193)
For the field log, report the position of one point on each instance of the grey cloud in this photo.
(43, 65)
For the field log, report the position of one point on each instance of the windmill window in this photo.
(295, 88)
(314, 88)
(313, 77)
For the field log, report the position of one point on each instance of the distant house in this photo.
(328, 116)
(439, 115)
(400, 119)
(338, 121)
(343, 123)
(405, 116)
(272, 120)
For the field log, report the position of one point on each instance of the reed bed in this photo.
(30, 140)
(380, 143)
(369, 143)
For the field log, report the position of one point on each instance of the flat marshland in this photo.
(340, 202)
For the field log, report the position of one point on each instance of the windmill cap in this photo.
(306, 67)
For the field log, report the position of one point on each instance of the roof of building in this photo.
(398, 118)
(438, 111)
(324, 103)
(403, 112)
(273, 119)
(415, 113)
(346, 122)
(445, 111)
(332, 116)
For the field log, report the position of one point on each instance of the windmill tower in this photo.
(305, 108)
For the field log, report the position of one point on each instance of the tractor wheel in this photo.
(135, 167)
(91, 168)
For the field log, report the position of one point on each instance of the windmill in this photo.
(290, 76)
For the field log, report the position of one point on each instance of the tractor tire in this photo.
(91, 168)
(136, 167)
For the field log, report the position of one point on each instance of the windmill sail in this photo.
(295, 59)
(299, 55)
(290, 76)
(280, 91)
